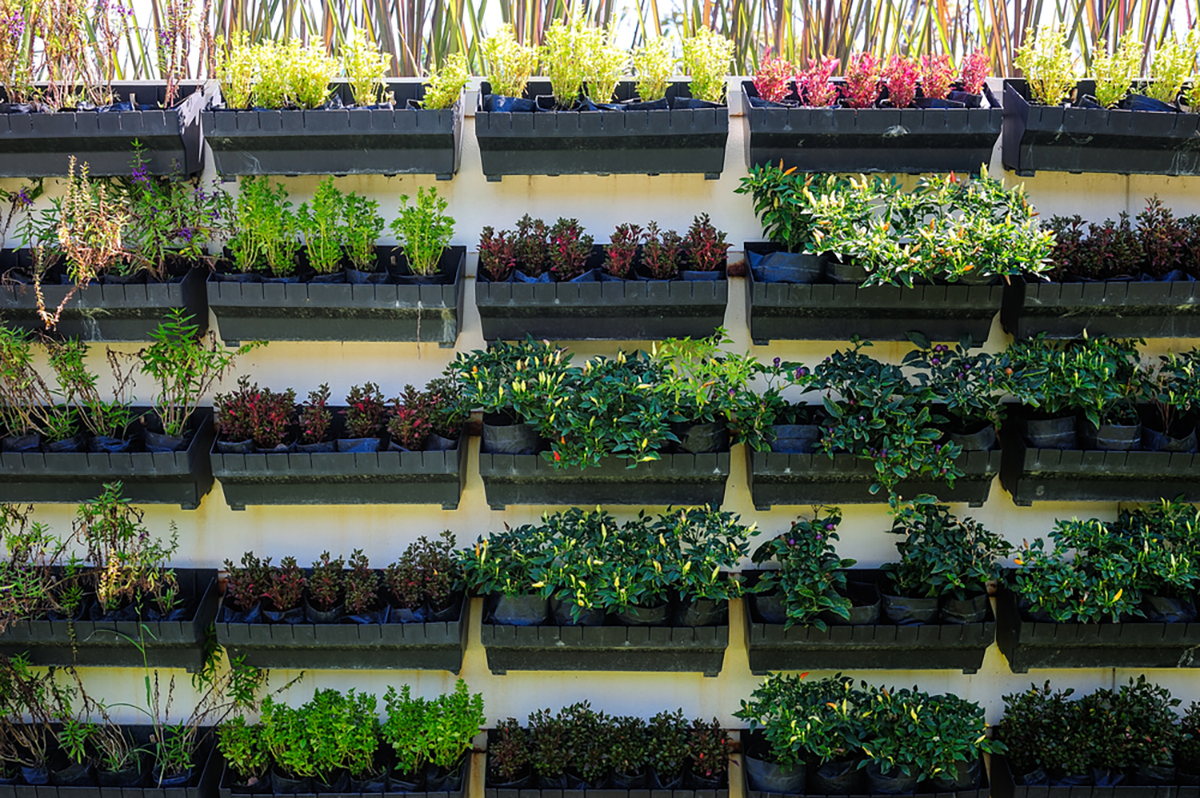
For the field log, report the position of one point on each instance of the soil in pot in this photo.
(836, 778)
(563, 617)
(1051, 433)
(893, 782)
(637, 615)
(786, 267)
(864, 606)
(1111, 437)
(502, 435)
(902, 610)
(1166, 609)
(702, 612)
(770, 607)
(965, 777)
(521, 610)
(767, 776)
(971, 610)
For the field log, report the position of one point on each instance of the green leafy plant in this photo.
(361, 228)
(1174, 62)
(942, 555)
(444, 86)
(562, 62)
(706, 57)
(321, 225)
(364, 66)
(423, 230)
(508, 62)
(811, 576)
(325, 582)
(242, 746)
(1048, 65)
(266, 228)
(668, 734)
(1115, 71)
(604, 64)
(653, 64)
(508, 753)
(1100, 377)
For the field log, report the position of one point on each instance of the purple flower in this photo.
(776, 362)
(819, 536)
(22, 198)
(141, 176)
(186, 234)
(829, 527)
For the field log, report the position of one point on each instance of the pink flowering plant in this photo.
(937, 75)
(818, 89)
(900, 74)
(862, 80)
(773, 80)
(811, 577)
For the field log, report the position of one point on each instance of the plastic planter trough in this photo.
(893, 140)
(1112, 141)
(1120, 308)
(382, 477)
(308, 311)
(625, 310)
(880, 646)
(1083, 475)
(837, 312)
(675, 479)
(114, 644)
(789, 479)
(339, 141)
(225, 788)
(435, 645)
(1136, 644)
(102, 312)
(40, 145)
(924, 789)
(674, 649)
(666, 141)
(182, 477)
(1004, 786)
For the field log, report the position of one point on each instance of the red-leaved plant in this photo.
(937, 75)
(773, 79)
(705, 245)
(975, 69)
(410, 424)
(901, 77)
(366, 411)
(570, 249)
(661, 252)
(361, 584)
(246, 584)
(315, 416)
(862, 80)
(325, 583)
(252, 413)
(622, 250)
(497, 255)
(533, 251)
(819, 91)
(285, 584)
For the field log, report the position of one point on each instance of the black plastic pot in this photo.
(794, 438)
(1051, 433)
(833, 312)
(673, 140)
(903, 610)
(836, 778)
(1176, 440)
(789, 267)
(635, 615)
(601, 648)
(1111, 437)
(1006, 784)
(561, 610)
(966, 776)
(39, 145)
(702, 438)
(339, 141)
(115, 643)
(769, 777)
(1095, 140)
(972, 610)
(379, 477)
(1118, 308)
(880, 646)
(452, 785)
(675, 479)
(531, 610)
(632, 310)
(181, 477)
(769, 608)
(312, 311)
(1166, 609)
(793, 479)
(500, 436)
(432, 645)
(1031, 474)
(892, 782)
(702, 612)
(893, 140)
(101, 311)
(1136, 644)
(981, 440)
(865, 605)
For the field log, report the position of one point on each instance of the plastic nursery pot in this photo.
(770, 607)
(981, 440)
(788, 267)
(1177, 440)
(1111, 437)
(846, 273)
(563, 617)
(767, 776)
(837, 778)
(965, 777)
(627, 781)
(865, 603)
(1165, 609)
(794, 438)
(503, 436)
(972, 610)
(313, 615)
(893, 782)
(702, 612)
(1051, 433)
(521, 610)
(701, 438)
(635, 615)
(287, 785)
(902, 610)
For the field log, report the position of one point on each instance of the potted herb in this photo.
(950, 117)
(288, 109)
(666, 126)
(1052, 106)
(562, 262)
(430, 738)
(1173, 390)
(318, 272)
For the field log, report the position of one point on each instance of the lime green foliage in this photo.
(276, 74)
(706, 58)
(443, 86)
(562, 63)
(237, 70)
(604, 64)
(1048, 65)
(508, 63)
(654, 64)
(363, 226)
(266, 228)
(363, 66)
(423, 230)
(437, 731)
(1173, 64)
(320, 225)
(1116, 71)
(242, 746)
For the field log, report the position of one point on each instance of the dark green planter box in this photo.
(1136, 644)
(182, 478)
(114, 644)
(882, 646)
(791, 479)
(838, 312)
(674, 649)
(403, 646)
(1003, 786)
(341, 311)
(679, 141)
(1079, 475)
(40, 145)
(675, 479)
(222, 789)
(103, 313)
(1120, 308)
(343, 477)
(339, 141)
